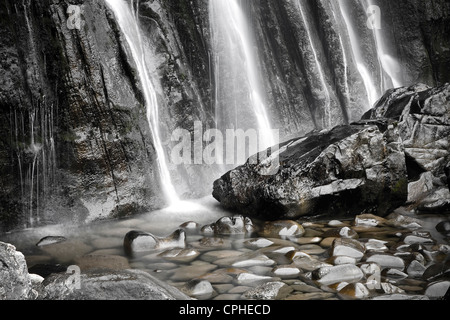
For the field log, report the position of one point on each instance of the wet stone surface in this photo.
(367, 257)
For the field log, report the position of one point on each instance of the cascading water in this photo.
(372, 93)
(237, 82)
(128, 21)
(388, 63)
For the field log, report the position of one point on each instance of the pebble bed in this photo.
(398, 257)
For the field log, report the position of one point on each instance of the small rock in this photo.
(246, 260)
(180, 255)
(50, 240)
(310, 264)
(418, 237)
(385, 260)
(285, 250)
(354, 291)
(138, 241)
(251, 279)
(331, 275)
(347, 247)
(229, 226)
(212, 242)
(198, 288)
(370, 269)
(389, 288)
(255, 260)
(258, 243)
(415, 269)
(283, 228)
(269, 291)
(374, 245)
(336, 223)
(443, 227)
(394, 274)
(369, 220)
(307, 240)
(437, 289)
(285, 272)
(327, 242)
(343, 232)
(36, 279)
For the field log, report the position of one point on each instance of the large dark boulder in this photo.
(346, 170)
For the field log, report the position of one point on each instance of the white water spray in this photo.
(234, 50)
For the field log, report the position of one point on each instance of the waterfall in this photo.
(237, 81)
(388, 63)
(371, 90)
(129, 25)
(326, 92)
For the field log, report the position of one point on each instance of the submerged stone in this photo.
(198, 288)
(347, 247)
(437, 289)
(343, 273)
(283, 228)
(369, 220)
(443, 227)
(354, 291)
(138, 241)
(251, 279)
(385, 260)
(269, 291)
(180, 255)
(343, 232)
(50, 240)
(285, 272)
(415, 269)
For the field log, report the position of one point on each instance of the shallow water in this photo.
(101, 244)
